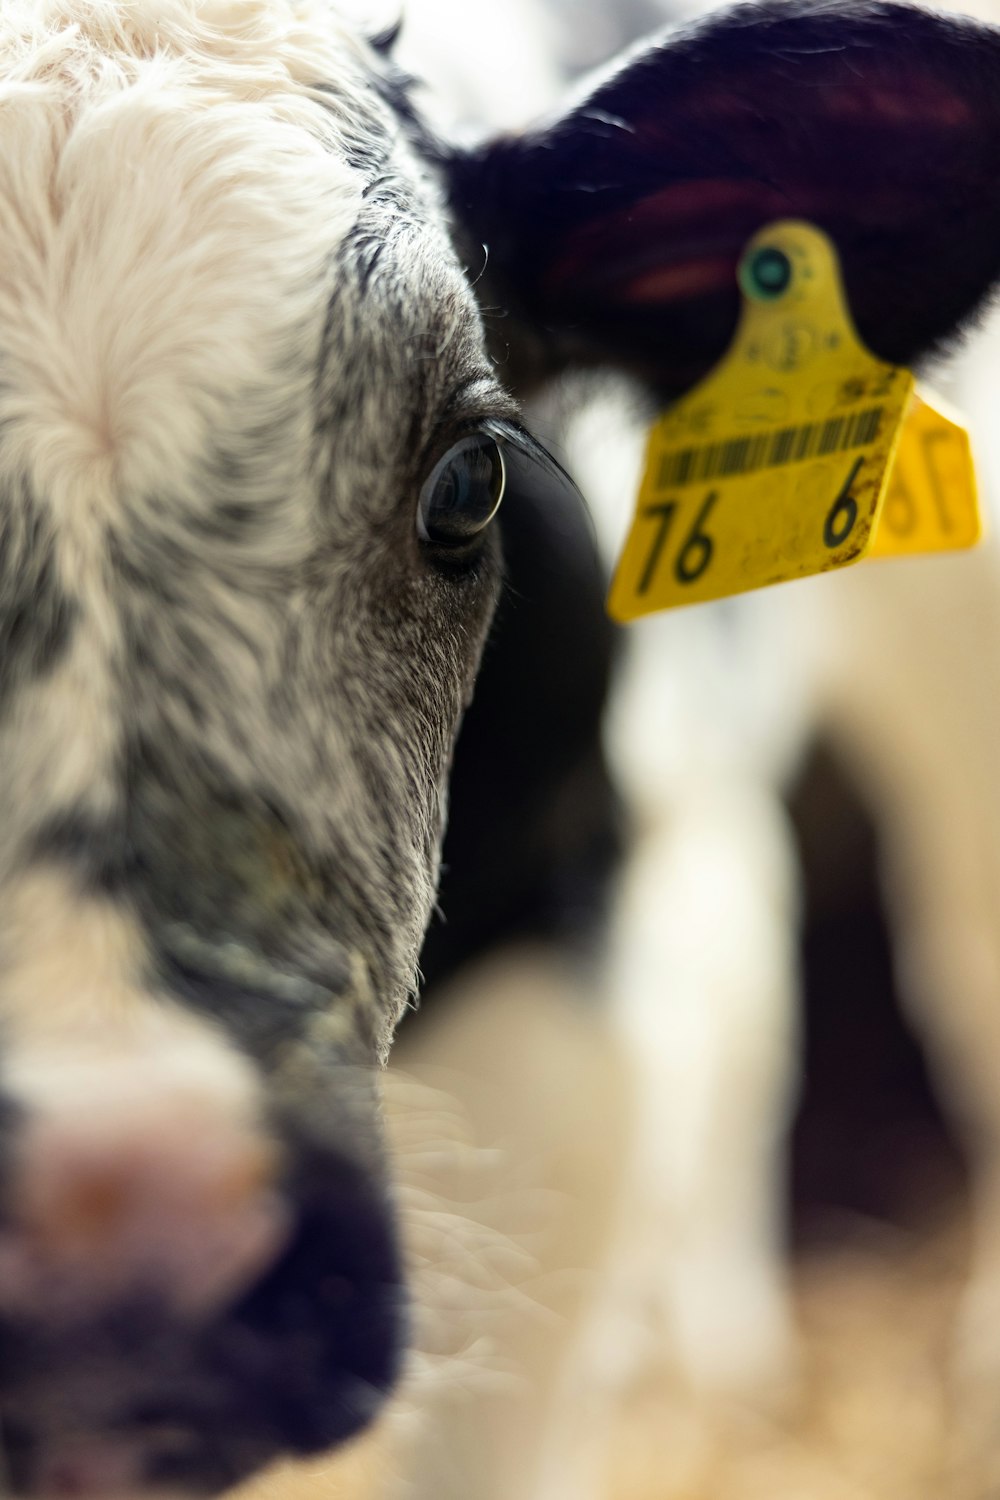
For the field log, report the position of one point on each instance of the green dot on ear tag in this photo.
(765, 274)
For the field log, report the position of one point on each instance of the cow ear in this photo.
(613, 232)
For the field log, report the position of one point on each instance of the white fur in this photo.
(150, 292)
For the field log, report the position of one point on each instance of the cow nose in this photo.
(133, 1404)
(186, 1292)
(136, 1183)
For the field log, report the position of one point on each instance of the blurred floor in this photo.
(878, 1418)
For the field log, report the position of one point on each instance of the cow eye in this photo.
(463, 492)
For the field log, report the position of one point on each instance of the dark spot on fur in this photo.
(36, 615)
(92, 845)
(384, 41)
(261, 1007)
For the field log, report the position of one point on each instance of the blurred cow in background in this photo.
(713, 717)
(897, 669)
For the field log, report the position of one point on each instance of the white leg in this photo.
(919, 716)
(705, 977)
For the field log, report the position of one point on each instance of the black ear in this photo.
(614, 232)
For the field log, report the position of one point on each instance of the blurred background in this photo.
(730, 1227)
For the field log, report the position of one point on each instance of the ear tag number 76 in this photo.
(776, 466)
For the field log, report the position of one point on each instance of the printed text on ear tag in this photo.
(931, 503)
(773, 467)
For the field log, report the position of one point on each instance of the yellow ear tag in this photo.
(773, 468)
(931, 504)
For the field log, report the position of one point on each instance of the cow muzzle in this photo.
(190, 1284)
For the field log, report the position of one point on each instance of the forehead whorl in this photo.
(212, 152)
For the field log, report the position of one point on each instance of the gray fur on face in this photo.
(281, 667)
(293, 721)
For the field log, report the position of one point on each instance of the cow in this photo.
(262, 339)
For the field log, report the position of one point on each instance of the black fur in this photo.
(878, 122)
(534, 824)
(36, 614)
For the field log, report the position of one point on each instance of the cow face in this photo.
(250, 450)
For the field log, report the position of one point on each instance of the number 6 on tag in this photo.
(931, 505)
(844, 512)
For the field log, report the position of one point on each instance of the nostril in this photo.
(328, 1321)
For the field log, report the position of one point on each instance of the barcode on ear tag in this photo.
(931, 503)
(775, 465)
